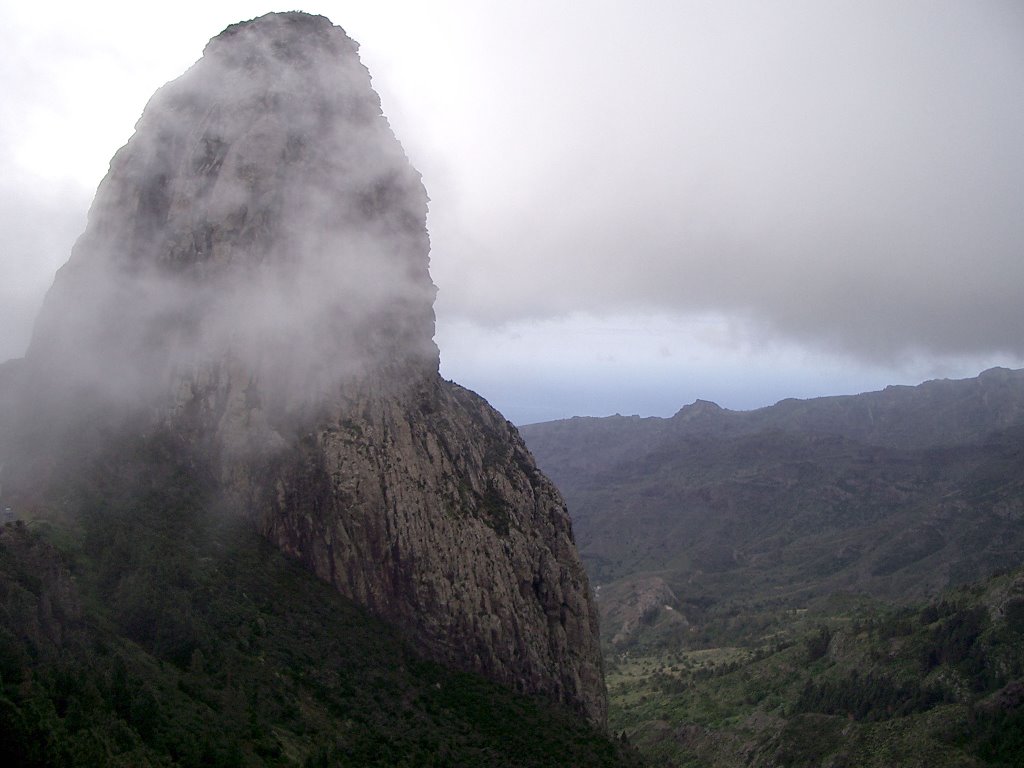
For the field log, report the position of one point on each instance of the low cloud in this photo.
(841, 177)
(37, 230)
(846, 176)
(262, 221)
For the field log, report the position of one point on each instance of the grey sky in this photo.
(632, 204)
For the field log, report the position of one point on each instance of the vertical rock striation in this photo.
(254, 275)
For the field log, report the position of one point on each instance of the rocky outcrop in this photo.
(634, 603)
(254, 275)
(430, 511)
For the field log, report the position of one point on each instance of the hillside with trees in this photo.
(140, 625)
(768, 578)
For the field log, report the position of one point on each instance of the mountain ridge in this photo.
(885, 492)
(815, 582)
(868, 417)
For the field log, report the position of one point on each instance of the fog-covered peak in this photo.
(263, 213)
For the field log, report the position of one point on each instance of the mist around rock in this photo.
(263, 211)
(253, 287)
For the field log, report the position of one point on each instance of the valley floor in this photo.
(848, 683)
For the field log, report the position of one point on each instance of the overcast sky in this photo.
(633, 204)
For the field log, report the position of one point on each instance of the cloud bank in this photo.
(839, 178)
(846, 176)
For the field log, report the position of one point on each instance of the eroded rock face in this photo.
(255, 275)
(429, 510)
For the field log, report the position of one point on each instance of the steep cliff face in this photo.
(254, 275)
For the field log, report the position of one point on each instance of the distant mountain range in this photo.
(896, 494)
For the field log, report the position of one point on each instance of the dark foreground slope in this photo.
(141, 627)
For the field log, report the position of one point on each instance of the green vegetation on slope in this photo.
(856, 683)
(759, 574)
(138, 628)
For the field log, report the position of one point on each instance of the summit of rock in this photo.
(698, 408)
(263, 206)
(254, 278)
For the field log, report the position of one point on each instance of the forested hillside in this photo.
(141, 626)
(774, 584)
